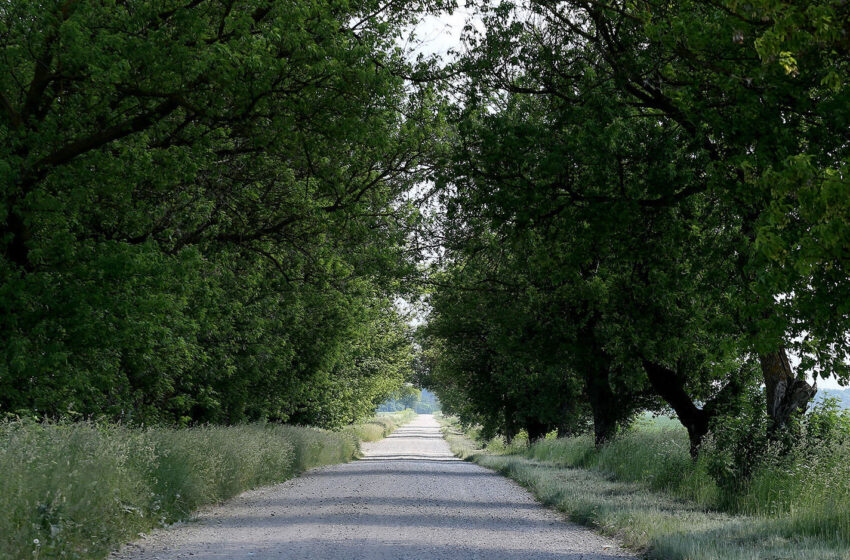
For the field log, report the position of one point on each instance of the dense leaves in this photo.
(211, 208)
(203, 211)
(648, 200)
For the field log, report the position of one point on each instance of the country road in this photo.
(407, 498)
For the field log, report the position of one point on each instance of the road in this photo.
(407, 498)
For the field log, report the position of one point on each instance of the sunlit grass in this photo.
(645, 489)
(381, 425)
(75, 491)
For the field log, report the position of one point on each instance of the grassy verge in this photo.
(76, 491)
(381, 425)
(645, 490)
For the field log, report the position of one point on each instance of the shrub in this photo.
(804, 479)
(795, 505)
(800, 480)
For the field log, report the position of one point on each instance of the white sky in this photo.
(830, 383)
(435, 35)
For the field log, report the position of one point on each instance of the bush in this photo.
(644, 487)
(803, 478)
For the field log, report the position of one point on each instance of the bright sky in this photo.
(438, 34)
(830, 383)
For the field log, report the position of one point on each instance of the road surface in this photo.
(407, 498)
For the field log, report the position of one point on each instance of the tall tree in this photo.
(202, 205)
(678, 143)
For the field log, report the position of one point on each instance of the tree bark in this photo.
(670, 387)
(511, 428)
(603, 402)
(564, 427)
(536, 430)
(596, 367)
(786, 394)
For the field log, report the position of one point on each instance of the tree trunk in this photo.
(511, 428)
(536, 430)
(670, 387)
(604, 426)
(786, 394)
(564, 427)
(595, 365)
(602, 402)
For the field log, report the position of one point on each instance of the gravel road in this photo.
(407, 498)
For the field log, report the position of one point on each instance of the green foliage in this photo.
(643, 203)
(739, 446)
(78, 490)
(801, 475)
(739, 470)
(201, 209)
(210, 210)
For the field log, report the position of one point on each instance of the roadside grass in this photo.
(644, 489)
(76, 491)
(381, 425)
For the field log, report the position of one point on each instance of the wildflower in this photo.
(36, 542)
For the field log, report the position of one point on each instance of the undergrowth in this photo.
(75, 491)
(644, 488)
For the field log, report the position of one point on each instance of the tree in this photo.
(203, 214)
(728, 75)
(657, 146)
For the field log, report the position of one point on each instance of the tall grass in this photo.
(810, 494)
(644, 488)
(381, 425)
(75, 491)
(657, 458)
(807, 489)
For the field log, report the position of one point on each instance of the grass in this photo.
(644, 489)
(76, 491)
(381, 425)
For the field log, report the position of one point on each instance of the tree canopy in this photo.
(651, 199)
(204, 208)
(212, 210)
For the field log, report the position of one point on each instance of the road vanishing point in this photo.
(408, 497)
